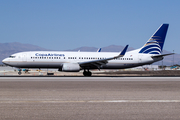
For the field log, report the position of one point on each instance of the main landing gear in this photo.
(87, 73)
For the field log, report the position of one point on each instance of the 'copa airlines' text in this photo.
(49, 54)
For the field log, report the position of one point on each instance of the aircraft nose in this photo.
(5, 61)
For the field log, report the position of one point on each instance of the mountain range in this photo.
(6, 49)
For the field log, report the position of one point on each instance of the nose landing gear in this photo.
(19, 72)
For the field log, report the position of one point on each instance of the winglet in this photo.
(122, 52)
(99, 50)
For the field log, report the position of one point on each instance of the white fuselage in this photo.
(56, 59)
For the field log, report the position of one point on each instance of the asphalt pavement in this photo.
(90, 98)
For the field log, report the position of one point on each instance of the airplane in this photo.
(68, 61)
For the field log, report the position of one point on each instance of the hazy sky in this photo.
(68, 24)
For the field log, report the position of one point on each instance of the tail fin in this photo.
(155, 44)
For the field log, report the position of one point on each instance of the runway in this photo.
(89, 98)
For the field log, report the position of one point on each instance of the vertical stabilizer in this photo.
(155, 44)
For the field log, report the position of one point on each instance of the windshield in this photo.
(12, 56)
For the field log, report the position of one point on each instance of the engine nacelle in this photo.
(71, 67)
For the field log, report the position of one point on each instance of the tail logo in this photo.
(152, 46)
(155, 44)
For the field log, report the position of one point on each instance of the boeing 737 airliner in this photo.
(76, 61)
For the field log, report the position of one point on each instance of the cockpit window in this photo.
(12, 56)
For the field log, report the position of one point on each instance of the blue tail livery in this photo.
(155, 44)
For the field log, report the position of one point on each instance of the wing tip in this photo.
(124, 50)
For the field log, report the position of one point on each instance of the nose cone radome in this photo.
(5, 61)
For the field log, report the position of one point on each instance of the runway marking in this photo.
(140, 101)
(95, 101)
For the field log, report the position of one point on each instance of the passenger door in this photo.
(24, 58)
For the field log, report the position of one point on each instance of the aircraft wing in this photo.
(98, 63)
(162, 55)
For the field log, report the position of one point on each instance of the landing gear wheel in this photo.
(20, 72)
(87, 73)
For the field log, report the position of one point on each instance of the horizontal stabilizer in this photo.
(162, 55)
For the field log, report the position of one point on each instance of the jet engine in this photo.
(71, 67)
